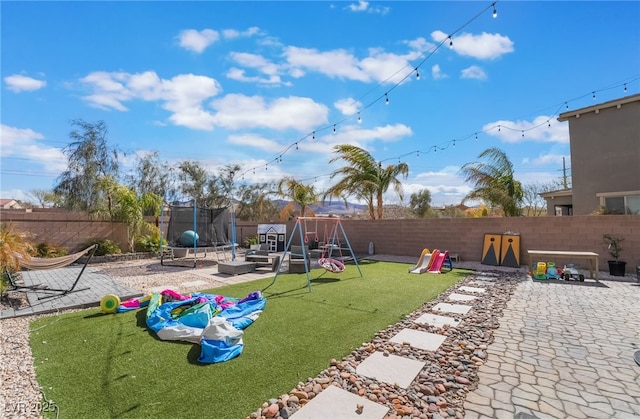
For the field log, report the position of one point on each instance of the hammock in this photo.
(36, 264)
(39, 264)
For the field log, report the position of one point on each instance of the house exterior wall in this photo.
(605, 152)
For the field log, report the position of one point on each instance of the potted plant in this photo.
(617, 267)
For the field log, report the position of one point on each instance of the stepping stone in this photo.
(390, 369)
(435, 320)
(461, 297)
(472, 289)
(483, 283)
(418, 339)
(452, 308)
(334, 402)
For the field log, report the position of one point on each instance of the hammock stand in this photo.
(39, 264)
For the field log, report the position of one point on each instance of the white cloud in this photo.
(256, 142)
(473, 72)
(437, 73)
(236, 111)
(233, 33)
(484, 46)
(260, 64)
(23, 142)
(197, 41)
(544, 129)
(19, 83)
(337, 63)
(364, 6)
(182, 95)
(348, 106)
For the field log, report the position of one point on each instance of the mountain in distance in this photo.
(336, 207)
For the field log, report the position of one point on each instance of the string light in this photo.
(314, 136)
(416, 69)
(454, 142)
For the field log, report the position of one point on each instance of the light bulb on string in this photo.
(450, 43)
(296, 146)
(593, 95)
(549, 123)
(454, 142)
(313, 137)
(625, 87)
(334, 128)
(359, 119)
(566, 105)
(522, 133)
(266, 167)
(418, 153)
(498, 128)
(477, 135)
(386, 99)
(495, 12)
(417, 74)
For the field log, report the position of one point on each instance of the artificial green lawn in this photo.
(106, 366)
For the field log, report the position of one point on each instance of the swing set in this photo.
(332, 258)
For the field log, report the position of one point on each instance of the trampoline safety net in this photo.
(211, 225)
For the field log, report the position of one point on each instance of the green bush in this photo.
(46, 250)
(105, 247)
(149, 244)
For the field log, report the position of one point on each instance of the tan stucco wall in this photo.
(605, 154)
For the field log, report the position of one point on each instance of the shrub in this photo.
(46, 250)
(149, 244)
(105, 247)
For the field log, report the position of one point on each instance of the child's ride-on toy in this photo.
(552, 271)
(570, 273)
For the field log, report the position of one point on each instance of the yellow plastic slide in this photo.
(424, 262)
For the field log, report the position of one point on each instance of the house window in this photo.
(626, 204)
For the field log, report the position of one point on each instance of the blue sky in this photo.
(254, 83)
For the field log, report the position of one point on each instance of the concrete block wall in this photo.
(70, 230)
(464, 236)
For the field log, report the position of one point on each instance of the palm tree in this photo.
(299, 195)
(365, 178)
(494, 182)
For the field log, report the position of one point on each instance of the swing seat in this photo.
(331, 265)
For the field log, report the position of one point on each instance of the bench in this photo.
(236, 267)
(271, 261)
(590, 257)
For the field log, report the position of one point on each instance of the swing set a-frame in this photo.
(332, 258)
